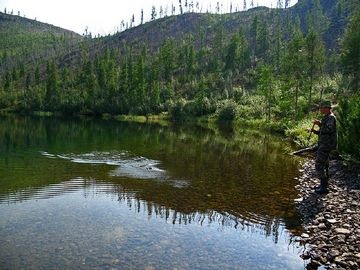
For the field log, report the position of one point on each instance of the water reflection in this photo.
(90, 188)
(185, 175)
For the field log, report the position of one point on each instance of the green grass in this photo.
(162, 118)
(299, 134)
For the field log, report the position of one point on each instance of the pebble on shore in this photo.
(331, 221)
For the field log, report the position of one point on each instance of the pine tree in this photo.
(277, 48)
(139, 82)
(350, 56)
(316, 19)
(190, 56)
(294, 67)
(180, 6)
(315, 54)
(153, 13)
(231, 54)
(265, 87)
(218, 52)
(37, 75)
(123, 87)
(263, 40)
(254, 39)
(52, 87)
(8, 80)
(167, 59)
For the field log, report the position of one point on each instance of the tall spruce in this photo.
(350, 52)
(294, 67)
(315, 56)
(52, 87)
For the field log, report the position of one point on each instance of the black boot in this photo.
(323, 186)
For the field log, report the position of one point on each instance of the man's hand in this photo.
(317, 122)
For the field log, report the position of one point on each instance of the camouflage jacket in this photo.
(327, 133)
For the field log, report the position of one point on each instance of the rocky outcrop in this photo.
(331, 221)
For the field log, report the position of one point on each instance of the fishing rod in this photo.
(317, 113)
(310, 132)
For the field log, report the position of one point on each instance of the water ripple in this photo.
(127, 165)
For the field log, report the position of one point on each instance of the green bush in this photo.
(251, 107)
(299, 134)
(349, 127)
(177, 110)
(227, 111)
(199, 107)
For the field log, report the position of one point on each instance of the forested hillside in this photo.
(26, 41)
(263, 64)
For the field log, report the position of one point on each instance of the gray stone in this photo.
(337, 248)
(331, 221)
(342, 231)
(334, 253)
(305, 235)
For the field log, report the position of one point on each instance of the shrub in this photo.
(227, 111)
(299, 134)
(349, 127)
(177, 110)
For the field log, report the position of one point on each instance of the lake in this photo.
(105, 194)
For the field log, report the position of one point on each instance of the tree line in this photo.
(275, 72)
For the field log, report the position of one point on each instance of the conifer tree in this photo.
(231, 54)
(254, 39)
(294, 67)
(153, 13)
(37, 75)
(316, 19)
(217, 57)
(266, 87)
(167, 59)
(52, 87)
(315, 57)
(350, 56)
(8, 80)
(263, 42)
(180, 6)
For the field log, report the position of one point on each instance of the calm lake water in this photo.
(103, 194)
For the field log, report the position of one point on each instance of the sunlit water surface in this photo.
(96, 194)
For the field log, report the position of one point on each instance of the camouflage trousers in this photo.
(322, 163)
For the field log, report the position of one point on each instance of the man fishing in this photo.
(327, 143)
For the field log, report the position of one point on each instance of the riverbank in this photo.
(332, 221)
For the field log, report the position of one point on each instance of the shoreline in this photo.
(331, 221)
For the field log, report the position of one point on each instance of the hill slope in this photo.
(30, 41)
(329, 21)
(33, 40)
(201, 59)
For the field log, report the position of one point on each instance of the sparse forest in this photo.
(261, 65)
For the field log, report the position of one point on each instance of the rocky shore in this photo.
(331, 221)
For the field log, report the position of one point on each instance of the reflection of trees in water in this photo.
(245, 221)
(210, 158)
(270, 226)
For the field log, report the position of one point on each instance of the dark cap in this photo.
(325, 104)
